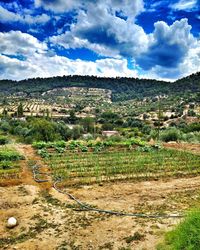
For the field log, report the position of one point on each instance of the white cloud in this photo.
(189, 65)
(12, 68)
(186, 5)
(7, 16)
(18, 43)
(44, 66)
(58, 5)
(168, 45)
(39, 62)
(127, 8)
(105, 33)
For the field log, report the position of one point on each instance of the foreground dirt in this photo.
(50, 220)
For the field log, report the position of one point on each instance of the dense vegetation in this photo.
(123, 88)
(45, 129)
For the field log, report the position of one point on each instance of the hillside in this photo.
(122, 88)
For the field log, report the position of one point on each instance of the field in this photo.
(10, 161)
(89, 167)
(133, 179)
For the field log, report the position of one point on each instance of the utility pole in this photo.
(159, 118)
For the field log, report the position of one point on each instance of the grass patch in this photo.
(186, 236)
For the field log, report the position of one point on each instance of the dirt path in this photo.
(31, 158)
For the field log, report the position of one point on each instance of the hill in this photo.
(122, 88)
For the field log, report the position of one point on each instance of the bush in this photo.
(145, 149)
(192, 127)
(191, 137)
(115, 138)
(60, 144)
(39, 145)
(5, 165)
(171, 134)
(10, 155)
(43, 145)
(5, 126)
(43, 153)
(186, 236)
(44, 130)
(3, 140)
(136, 141)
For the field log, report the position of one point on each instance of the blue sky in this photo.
(133, 38)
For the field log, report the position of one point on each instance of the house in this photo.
(19, 119)
(110, 133)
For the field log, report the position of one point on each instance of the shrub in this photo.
(191, 137)
(43, 153)
(5, 165)
(171, 134)
(43, 130)
(9, 155)
(5, 126)
(144, 149)
(60, 150)
(43, 145)
(39, 145)
(115, 138)
(3, 140)
(84, 148)
(60, 144)
(136, 141)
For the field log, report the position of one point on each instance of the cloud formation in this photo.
(104, 29)
(186, 5)
(39, 62)
(168, 45)
(9, 16)
(104, 32)
(129, 8)
(18, 43)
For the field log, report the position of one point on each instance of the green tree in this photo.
(88, 124)
(72, 116)
(43, 130)
(76, 132)
(20, 110)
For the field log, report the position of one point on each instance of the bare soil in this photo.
(190, 147)
(50, 220)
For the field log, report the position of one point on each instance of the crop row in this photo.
(89, 167)
(9, 163)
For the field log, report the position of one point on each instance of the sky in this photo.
(132, 38)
